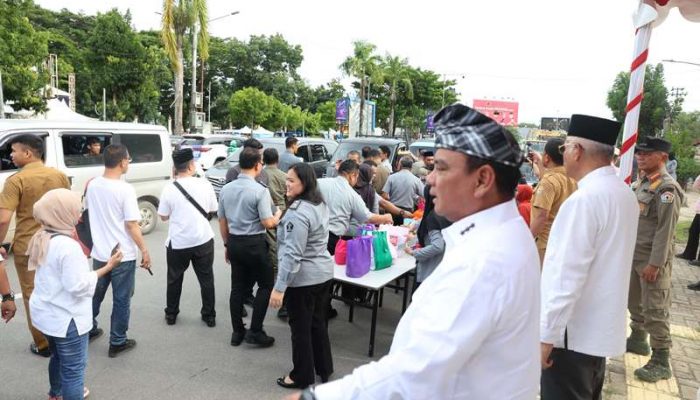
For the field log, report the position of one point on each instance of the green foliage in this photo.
(22, 52)
(655, 104)
(685, 131)
(250, 106)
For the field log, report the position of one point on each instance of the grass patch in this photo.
(682, 232)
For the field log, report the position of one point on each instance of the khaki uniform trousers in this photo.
(649, 305)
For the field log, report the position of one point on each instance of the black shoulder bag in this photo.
(199, 208)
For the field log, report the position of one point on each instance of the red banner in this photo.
(503, 112)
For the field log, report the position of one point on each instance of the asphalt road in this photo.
(188, 360)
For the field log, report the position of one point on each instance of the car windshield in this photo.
(191, 142)
(345, 147)
(418, 148)
(235, 156)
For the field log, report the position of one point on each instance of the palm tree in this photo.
(181, 17)
(396, 72)
(363, 65)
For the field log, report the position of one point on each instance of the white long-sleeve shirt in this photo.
(63, 288)
(586, 272)
(471, 331)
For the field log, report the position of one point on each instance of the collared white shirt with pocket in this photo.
(471, 331)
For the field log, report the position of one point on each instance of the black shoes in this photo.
(95, 333)
(282, 312)
(694, 286)
(210, 321)
(293, 385)
(115, 350)
(694, 262)
(259, 339)
(39, 352)
(170, 319)
(237, 338)
(682, 256)
(332, 313)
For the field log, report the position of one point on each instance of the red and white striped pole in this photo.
(643, 20)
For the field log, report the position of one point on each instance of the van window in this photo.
(318, 152)
(6, 163)
(142, 148)
(80, 150)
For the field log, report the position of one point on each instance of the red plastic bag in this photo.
(341, 252)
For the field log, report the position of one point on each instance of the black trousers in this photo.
(250, 264)
(202, 259)
(691, 248)
(311, 348)
(573, 376)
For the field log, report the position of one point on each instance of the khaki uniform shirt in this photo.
(277, 184)
(552, 190)
(380, 179)
(21, 191)
(660, 200)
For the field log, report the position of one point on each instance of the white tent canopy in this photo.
(59, 111)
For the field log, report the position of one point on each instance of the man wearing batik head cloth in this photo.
(471, 331)
(586, 269)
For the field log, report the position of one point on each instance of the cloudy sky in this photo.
(554, 57)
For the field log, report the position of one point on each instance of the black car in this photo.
(395, 145)
(314, 151)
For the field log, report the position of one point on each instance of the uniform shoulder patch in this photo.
(667, 197)
(289, 226)
(295, 205)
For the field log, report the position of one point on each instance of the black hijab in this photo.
(431, 220)
(363, 187)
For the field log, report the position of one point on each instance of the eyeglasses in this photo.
(563, 147)
(129, 159)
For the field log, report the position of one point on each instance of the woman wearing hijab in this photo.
(432, 244)
(63, 288)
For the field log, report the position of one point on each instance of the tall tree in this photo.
(179, 18)
(655, 105)
(363, 65)
(250, 106)
(396, 74)
(22, 52)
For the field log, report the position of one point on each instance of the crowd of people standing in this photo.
(592, 250)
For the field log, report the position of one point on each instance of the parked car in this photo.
(314, 151)
(421, 144)
(210, 149)
(65, 146)
(175, 141)
(347, 145)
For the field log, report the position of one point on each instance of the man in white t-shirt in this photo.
(188, 203)
(114, 220)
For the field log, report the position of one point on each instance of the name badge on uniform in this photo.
(667, 197)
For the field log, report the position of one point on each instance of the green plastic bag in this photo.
(382, 254)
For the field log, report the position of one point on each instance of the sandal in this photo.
(86, 392)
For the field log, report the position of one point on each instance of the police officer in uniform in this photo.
(660, 200)
(245, 211)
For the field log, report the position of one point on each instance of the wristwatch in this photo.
(8, 297)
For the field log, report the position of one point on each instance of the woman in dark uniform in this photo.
(305, 271)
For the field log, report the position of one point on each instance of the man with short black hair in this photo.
(381, 173)
(553, 188)
(114, 220)
(586, 270)
(93, 147)
(469, 331)
(403, 189)
(354, 155)
(245, 211)
(20, 192)
(386, 158)
(365, 152)
(289, 158)
(425, 165)
(188, 203)
(233, 172)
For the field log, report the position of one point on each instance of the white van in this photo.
(65, 148)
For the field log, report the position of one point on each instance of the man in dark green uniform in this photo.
(649, 304)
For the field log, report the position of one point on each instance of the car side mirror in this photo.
(329, 157)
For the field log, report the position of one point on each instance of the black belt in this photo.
(256, 236)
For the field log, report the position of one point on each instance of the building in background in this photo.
(501, 111)
(347, 116)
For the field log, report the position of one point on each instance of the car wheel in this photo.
(149, 215)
